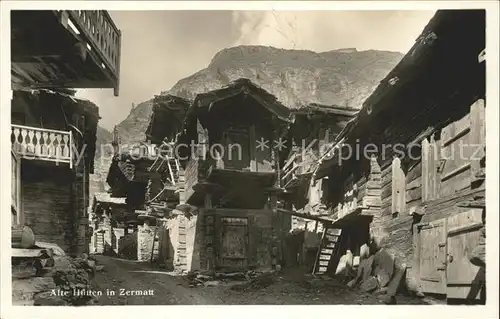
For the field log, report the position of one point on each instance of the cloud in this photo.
(328, 30)
(161, 47)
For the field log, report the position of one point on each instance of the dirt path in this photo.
(291, 288)
(124, 276)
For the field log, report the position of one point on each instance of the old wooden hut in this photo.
(109, 218)
(147, 176)
(409, 170)
(315, 129)
(53, 143)
(226, 218)
(53, 133)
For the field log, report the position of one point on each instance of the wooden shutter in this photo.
(398, 187)
(237, 149)
(454, 166)
(430, 159)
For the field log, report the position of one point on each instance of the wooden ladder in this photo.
(327, 247)
(173, 169)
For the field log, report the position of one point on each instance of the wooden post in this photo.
(153, 245)
(253, 159)
(398, 187)
(208, 201)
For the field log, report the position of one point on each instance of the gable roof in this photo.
(243, 87)
(167, 117)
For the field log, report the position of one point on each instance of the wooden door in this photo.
(431, 261)
(237, 149)
(464, 280)
(233, 242)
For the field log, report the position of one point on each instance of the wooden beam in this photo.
(253, 159)
(320, 218)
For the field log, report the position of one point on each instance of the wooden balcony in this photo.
(296, 171)
(244, 187)
(65, 49)
(34, 143)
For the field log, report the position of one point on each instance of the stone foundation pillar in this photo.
(145, 240)
(108, 235)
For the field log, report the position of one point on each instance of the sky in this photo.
(161, 47)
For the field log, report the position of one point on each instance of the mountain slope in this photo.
(296, 77)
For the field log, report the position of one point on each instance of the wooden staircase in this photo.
(173, 169)
(327, 248)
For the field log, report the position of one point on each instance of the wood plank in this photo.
(465, 228)
(26, 253)
(477, 136)
(416, 183)
(334, 231)
(425, 170)
(413, 195)
(414, 172)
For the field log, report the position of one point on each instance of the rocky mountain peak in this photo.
(343, 77)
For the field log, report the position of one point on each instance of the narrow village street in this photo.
(134, 276)
(318, 175)
(292, 287)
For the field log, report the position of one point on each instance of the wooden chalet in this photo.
(109, 223)
(314, 130)
(129, 174)
(65, 49)
(230, 198)
(417, 187)
(53, 133)
(148, 176)
(167, 118)
(53, 138)
(166, 123)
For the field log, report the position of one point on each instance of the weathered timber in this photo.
(22, 236)
(414, 172)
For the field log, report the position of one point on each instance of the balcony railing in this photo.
(102, 32)
(81, 49)
(298, 164)
(42, 144)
